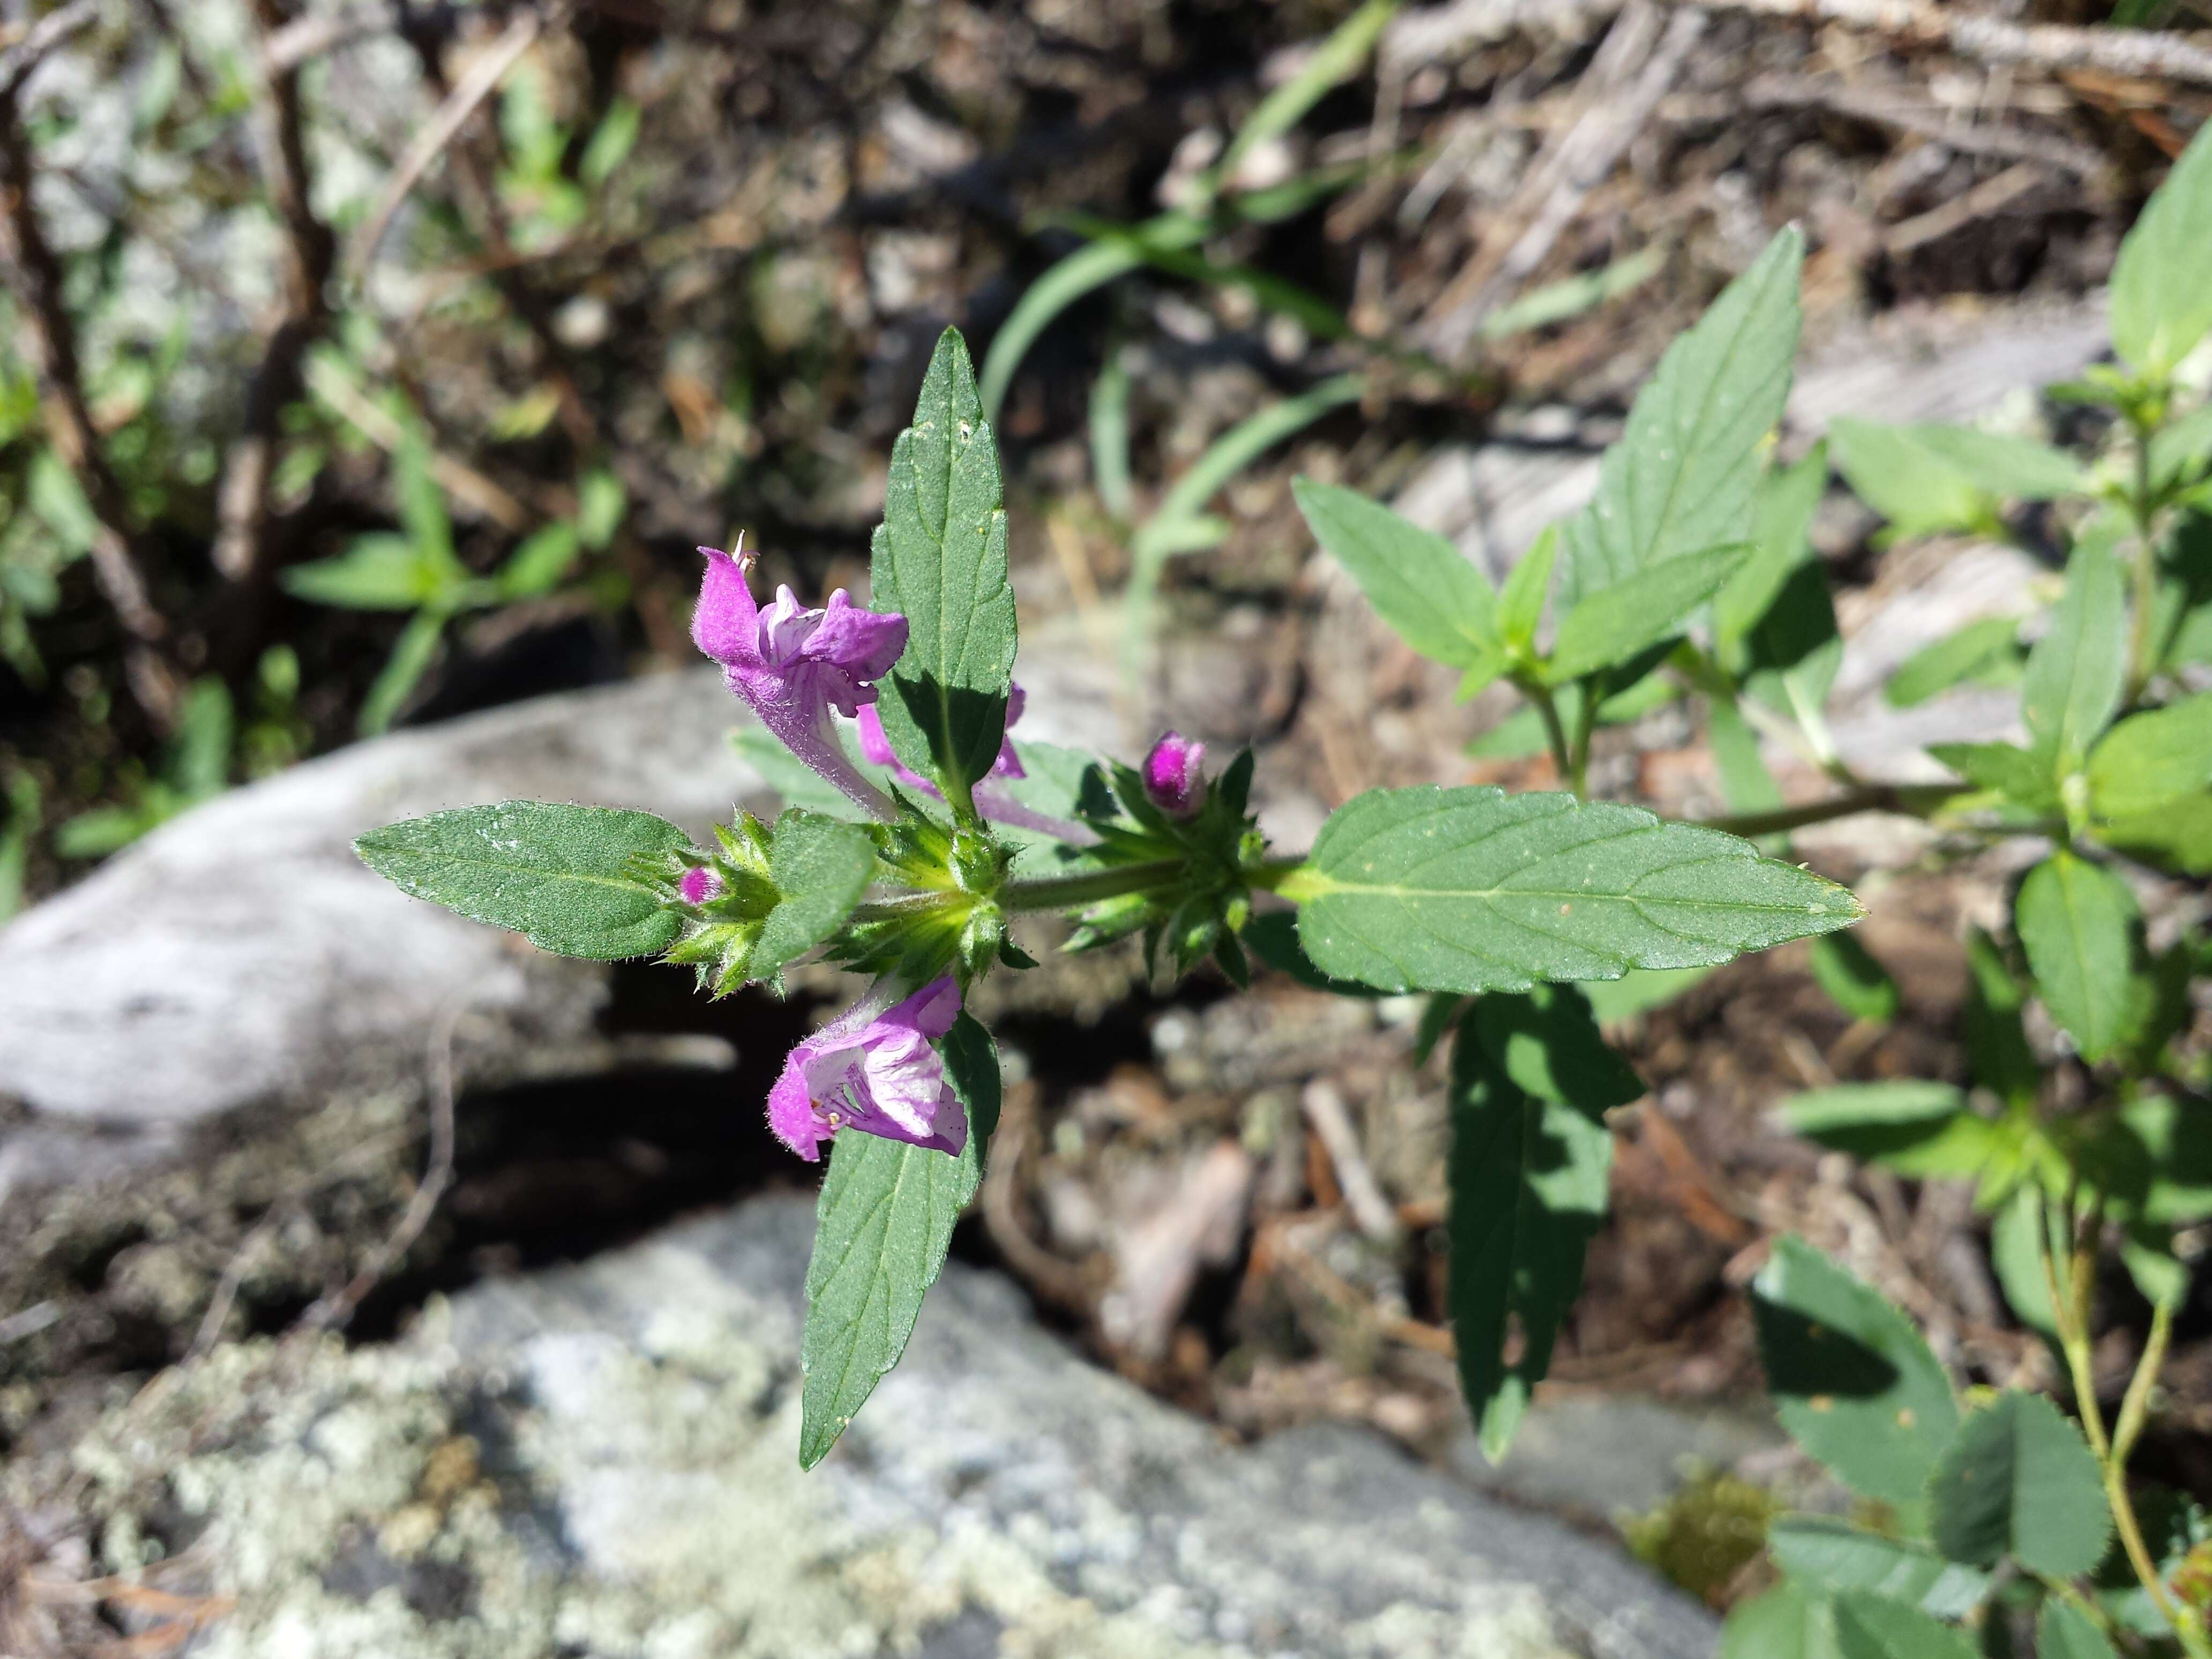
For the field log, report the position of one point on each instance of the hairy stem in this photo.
(1913, 800)
(1547, 710)
(2142, 653)
(1069, 892)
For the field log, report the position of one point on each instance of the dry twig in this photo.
(1373, 1213)
(34, 277)
(336, 1310)
(242, 504)
(483, 77)
(2147, 53)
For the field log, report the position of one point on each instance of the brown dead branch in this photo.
(242, 505)
(34, 277)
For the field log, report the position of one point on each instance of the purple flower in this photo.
(873, 1069)
(993, 799)
(793, 666)
(876, 745)
(699, 885)
(1173, 781)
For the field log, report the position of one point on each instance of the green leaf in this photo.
(2017, 1480)
(53, 493)
(610, 142)
(1852, 1381)
(1273, 936)
(2017, 1246)
(1746, 784)
(1428, 591)
(2175, 1136)
(1787, 498)
(2161, 304)
(1338, 59)
(1921, 1129)
(2146, 760)
(1529, 1180)
(422, 504)
(378, 572)
(1110, 436)
(2019, 774)
(1980, 650)
(1474, 890)
(1547, 1042)
(940, 560)
(557, 874)
(1871, 1626)
(1528, 586)
(1934, 478)
(1612, 623)
(600, 503)
(1831, 1555)
(2178, 835)
(1996, 1042)
(1685, 475)
(410, 658)
(1861, 985)
(884, 1222)
(2063, 1631)
(1788, 1621)
(821, 867)
(2078, 924)
(2074, 674)
(1796, 650)
(1638, 991)
(537, 567)
(1074, 276)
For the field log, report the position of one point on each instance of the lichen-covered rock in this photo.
(602, 1460)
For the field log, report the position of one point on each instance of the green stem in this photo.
(2141, 643)
(1585, 723)
(1913, 800)
(1547, 710)
(2135, 1405)
(2070, 1307)
(1071, 892)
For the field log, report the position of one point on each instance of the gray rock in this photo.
(602, 1460)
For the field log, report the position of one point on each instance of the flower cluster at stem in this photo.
(1160, 852)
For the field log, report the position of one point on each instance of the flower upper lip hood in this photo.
(793, 665)
(1174, 779)
(874, 1069)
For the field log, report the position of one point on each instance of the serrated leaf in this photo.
(940, 559)
(2147, 760)
(2161, 304)
(2074, 674)
(1273, 936)
(1685, 475)
(1781, 522)
(1978, 651)
(1849, 973)
(1474, 890)
(884, 1222)
(1528, 1181)
(1788, 1621)
(2063, 1631)
(1609, 626)
(2017, 1480)
(821, 867)
(1871, 1626)
(556, 874)
(2078, 924)
(1852, 1381)
(1429, 593)
(1831, 1555)
(2019, 774)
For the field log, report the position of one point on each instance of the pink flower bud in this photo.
(699, 885)
(1173, 780)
